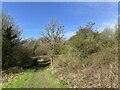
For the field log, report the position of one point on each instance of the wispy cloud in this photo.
(110, 24)
(69, 34)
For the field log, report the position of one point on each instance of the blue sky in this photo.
(33, 17)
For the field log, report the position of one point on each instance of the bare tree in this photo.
(54, 33)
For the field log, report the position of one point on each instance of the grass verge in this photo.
(19, 81)
(55, 79)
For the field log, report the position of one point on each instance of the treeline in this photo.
(13, 51)
(19, 52)
(87, 40)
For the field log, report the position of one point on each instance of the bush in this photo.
(86, 41)
(41, 50)
(23, 56)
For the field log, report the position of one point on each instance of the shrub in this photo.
(23, 56)
(41, 50)
(86, 41)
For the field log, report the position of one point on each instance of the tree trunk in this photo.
(52, 61)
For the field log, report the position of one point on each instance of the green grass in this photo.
(52, 77)
(20, 81)
(42, 78)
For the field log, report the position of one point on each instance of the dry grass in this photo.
(99, 70)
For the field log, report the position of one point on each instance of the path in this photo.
(42, 78)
